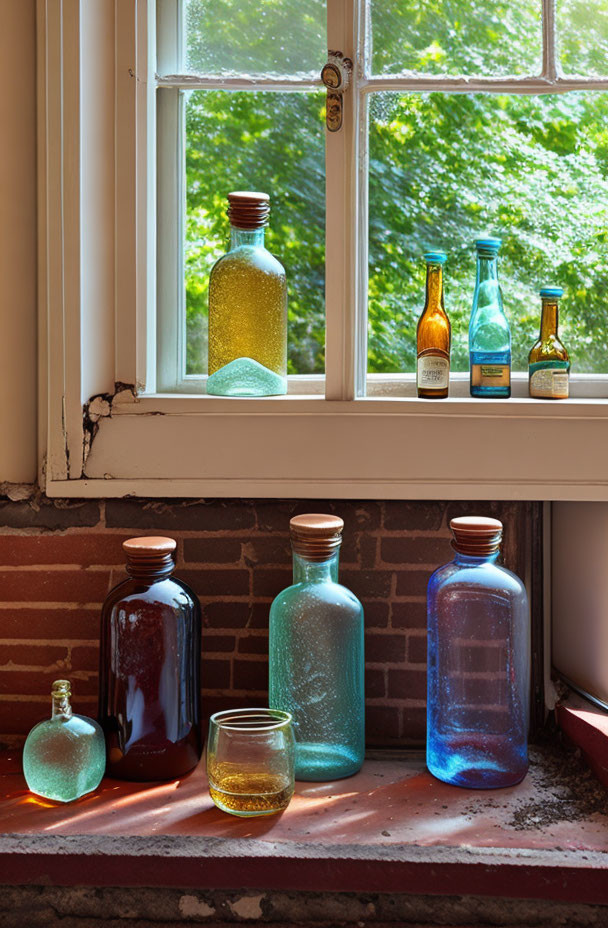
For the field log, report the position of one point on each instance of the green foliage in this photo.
(444, 169)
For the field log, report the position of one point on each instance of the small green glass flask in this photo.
(64, 757)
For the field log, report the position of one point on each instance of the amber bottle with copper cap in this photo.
(478, 663)
(316, 657)
(149, 669)
(247, 307)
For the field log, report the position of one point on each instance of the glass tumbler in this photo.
(251, 760)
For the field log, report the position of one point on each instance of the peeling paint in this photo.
(192, 907)
(99, 407)
(247, 906)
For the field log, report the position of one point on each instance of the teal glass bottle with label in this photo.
(489, 332)
(549, 361)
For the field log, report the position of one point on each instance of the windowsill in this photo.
(391, 828)
(586, 725)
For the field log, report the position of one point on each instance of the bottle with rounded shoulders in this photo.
(149, 669)
(247, 307)
(64, 757)
(549, 361)
(478, 663)
(316, 655)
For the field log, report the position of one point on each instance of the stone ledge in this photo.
(392, 828)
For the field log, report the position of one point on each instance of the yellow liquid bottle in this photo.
(247, 308)
(548, 361)
(434, 335)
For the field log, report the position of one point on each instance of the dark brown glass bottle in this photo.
(149, 670)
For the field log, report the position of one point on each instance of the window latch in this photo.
(336, 77)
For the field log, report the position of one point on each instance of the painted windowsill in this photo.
(586, 725)
(391, 828)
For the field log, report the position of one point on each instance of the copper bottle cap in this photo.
(477, 536)
(248, 210)
(149, 552)
(316, 536)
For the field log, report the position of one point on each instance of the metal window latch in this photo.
(336, 77)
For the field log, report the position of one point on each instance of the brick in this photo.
(418, 549)
(208, 516)
(382, 725)
(407, 684)
(270, 582)
(26, 622)
(368, 584)
(368, 551)
(225, 643)
(218, 550)
(85, 657)
(268, 550)
(412, 582)
(217, 582)
(274, 516)
(215, 674)
(259, 615)
(223, 614)
(68, 586)
(414, 725)
(375, 684)
(53, 515)
(253, 645)
(416, 649)
(83, 550)
(221, 703)
(408, 615)
(380, 649)
(493, 509)
(250, 675)
(376, 614)
(39, 683)
(33, 655)
(18, 717)
(413, 516)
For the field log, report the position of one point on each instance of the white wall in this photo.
(18, 258)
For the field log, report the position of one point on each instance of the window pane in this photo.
(582, 27)
(446, 169)
(285, 37)
(450, 37)
(273, 142)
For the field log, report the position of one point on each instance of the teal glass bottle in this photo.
(489, 332)
(64, 757)
(316, 656)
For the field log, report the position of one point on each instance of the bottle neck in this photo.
(434, 288)
(487, 269)
(471, 560)
(549, 320)
(253, 238)
(150, 569)
(61, 707)
(305, 571)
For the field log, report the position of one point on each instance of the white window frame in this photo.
(105, 431)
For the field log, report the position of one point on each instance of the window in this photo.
(127, 240)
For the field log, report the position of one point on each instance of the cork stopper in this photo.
(61, 689)
(150, 554)
(476, 536)
(315, 536)
(248, 210)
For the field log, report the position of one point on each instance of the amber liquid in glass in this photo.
(434, 339)
(245, 792)
(149, 679)
(549, 361)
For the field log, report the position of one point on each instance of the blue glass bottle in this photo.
(316, 656)
(478, 664)
(489, 332)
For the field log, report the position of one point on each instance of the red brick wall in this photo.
(59, 559)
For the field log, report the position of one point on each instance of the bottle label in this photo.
(433, 372)
(550, 380)
(491, 375)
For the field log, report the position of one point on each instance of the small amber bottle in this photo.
(434, 335)
(247, 308)
(548, 361)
